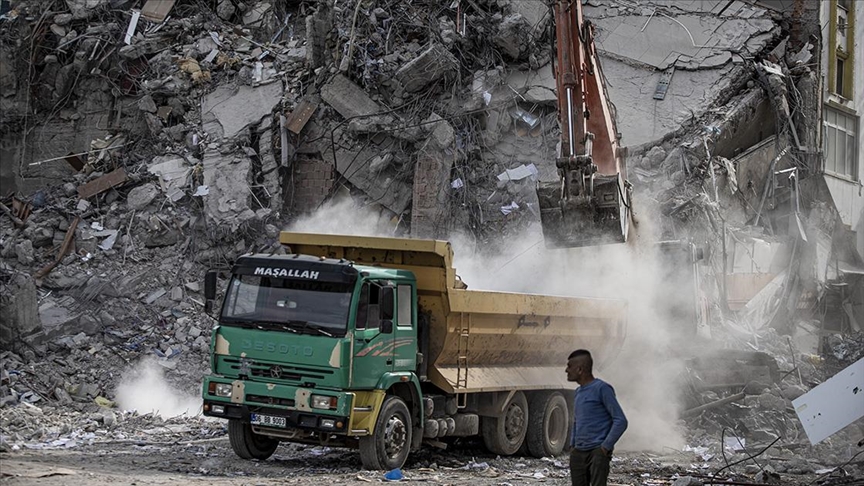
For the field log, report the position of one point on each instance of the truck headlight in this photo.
(323, 402)
(220, 389)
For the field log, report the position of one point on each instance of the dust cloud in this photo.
(643, 372)
(345, 216)
(143, 387)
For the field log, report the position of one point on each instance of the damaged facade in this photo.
(142, 142)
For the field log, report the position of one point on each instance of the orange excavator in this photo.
(590, 204)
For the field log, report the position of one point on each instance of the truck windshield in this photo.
(287, 304)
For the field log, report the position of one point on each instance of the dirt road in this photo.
(212, 462)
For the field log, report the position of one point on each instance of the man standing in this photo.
(598, 423)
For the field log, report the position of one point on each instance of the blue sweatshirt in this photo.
(598, 420)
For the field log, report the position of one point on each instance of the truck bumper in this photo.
(250, 401)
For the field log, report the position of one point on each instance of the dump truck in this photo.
(377, 344)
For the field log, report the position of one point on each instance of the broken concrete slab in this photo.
(57, 318)
(141, 196)
(173, 172)
(83, 9)
(348, 99)
(513, 36)
(662, 40)
(442, 133)
(642, 120)
(430, 207)
(381, 187)
(227, 179)
(536, 86)
(228, 110)
(431, 65)
(254, 15)
(535, 13)
(19, 311)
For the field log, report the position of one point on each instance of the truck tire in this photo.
(248, 444)
(548, 424)
(505, 433)
(388, 446)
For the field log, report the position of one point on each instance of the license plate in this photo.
(268, 420)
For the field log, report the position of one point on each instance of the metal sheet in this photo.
(300, 116)
(102, 184)
(832, 405)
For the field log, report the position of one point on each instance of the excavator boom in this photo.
(589, 204)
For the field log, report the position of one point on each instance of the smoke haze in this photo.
(344, 216)
(143, 387)
(643, 372)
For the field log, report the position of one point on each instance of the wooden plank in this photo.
(301, 115)
(102, 184)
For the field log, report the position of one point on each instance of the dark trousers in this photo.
(589, 468)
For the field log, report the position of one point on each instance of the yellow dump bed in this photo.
(481, 340)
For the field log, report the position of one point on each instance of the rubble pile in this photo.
(739, 403)
(32, 427)
(155, 139)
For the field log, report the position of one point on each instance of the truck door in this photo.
(372, 348)
(405, 329)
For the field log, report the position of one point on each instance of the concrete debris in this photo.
(227, 111)
(434, 63)
(141, 196)
(173, 172)
(513, 36)
(348, 99)
(535, 86)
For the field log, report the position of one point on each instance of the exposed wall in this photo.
(312, 182)
(847, 193)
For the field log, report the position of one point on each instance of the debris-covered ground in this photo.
(145, 142)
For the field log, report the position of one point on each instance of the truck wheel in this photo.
(388, 447)
(548, 424)
(248, 444)
(505, 433)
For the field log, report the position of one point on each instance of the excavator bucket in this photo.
(589, 205)
(575, 222)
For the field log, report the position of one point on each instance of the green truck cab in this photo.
(374, 343)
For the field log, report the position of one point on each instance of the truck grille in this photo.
(273, 371)
(285, 402)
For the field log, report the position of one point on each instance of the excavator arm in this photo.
(590, 203)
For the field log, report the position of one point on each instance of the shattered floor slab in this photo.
(659, 39)
(228, 110)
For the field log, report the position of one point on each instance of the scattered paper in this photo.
(457, 184)
(509, 208)
(133, 24)
(108, 243)
(202, 191)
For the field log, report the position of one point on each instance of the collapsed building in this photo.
(145, 141)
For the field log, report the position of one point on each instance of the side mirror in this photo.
(387, 327)
(209, 290)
